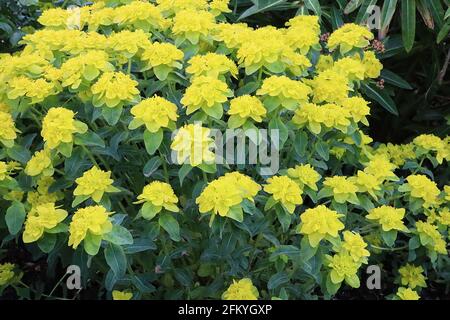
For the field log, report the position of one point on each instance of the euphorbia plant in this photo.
(107, 158)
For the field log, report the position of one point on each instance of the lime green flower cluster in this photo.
(224, 195)
(8, 274)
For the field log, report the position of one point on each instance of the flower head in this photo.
(162, 58)
(241, 290)
(367, 183)
(389, 218)
(8, 131)
(329, 86)
(412, 276)
(93, 220)
(318, 223)
(343, 267)
(232, 34)
(355, 246)
(222, 195)
(371, 64)
(192, 143)
(430, 237)
(244, 184)
(422, 187)
(39, 163)
(325, 62)
(84, 68)
(57, 18)
(100, 18)
(349, 36)
(433, 143)
(303, 33)
(304, 175)
(281, 90)
(122, 295)
(328, 116)
(219, 6)
(358, 108)
(114, 89)
(284, 190)
(159, 195)
(155, 113)
(35, 90)
(59, 125)
(125, 45)
(343, 188)
(353, 69)
(397, 154)
(407, 294)
(149, 18)
(243, 108)
(381, 168)
(207, 94)
(269, 48)
(7, 273)
(94, 183)
(192, 24)
(211, 65)
(41, 218)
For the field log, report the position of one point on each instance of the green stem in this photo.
(389, 249)
(42, 294)
(260, 73)
(36, 119)
(122, 207)
(105, 164)
(57, 284)
(419, 167)
(205, 177)
(129, 67)
(89, 154)
(166, 172)
(59, 171)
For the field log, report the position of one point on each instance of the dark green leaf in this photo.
(153, 140)
(183, 172)
(380, 96)
(170, 224)
(116, 259)
(15, 216)
(443, 33)
(151, 166)
(47, 242)
(19, 153)
(314, 6)
(408, 16)
(119, 235)
(387, 12)
(89, 139)
(395, 79)
(260, 6)
(277, 280)
(364, 11)
(112, 115)
(352, 5)
(323, 149)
